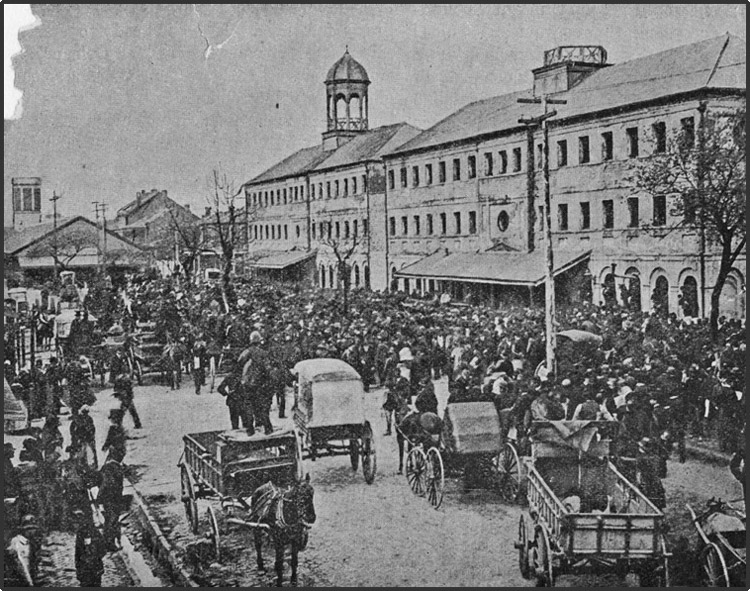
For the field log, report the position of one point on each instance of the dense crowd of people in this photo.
(659, 376)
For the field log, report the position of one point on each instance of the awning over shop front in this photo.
(496, 267)
(281, 260)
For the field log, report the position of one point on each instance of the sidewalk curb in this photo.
(707, 455)
(156, 541)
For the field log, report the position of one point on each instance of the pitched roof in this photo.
(135, 204)
(714, 63)
(20, 240)
(370, 145)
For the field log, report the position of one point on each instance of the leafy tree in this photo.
(705, 173)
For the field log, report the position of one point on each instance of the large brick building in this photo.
(457, 207)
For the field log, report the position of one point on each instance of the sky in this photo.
(120, 98)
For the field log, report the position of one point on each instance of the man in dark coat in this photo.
(200, 363)
(90, 549)
(231, 388)
(116, 441)
(110, 498)
(256, 383)
(83, 437)
(119, 374)
(79, 385)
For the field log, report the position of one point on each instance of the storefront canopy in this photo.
(496, 267)
(282, 260)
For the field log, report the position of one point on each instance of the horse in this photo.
(287, 513)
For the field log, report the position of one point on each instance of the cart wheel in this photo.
(508, 468)
(214, 533)
(435, 477)
(188, 497)
(354, 453)
(369, 461)
(416, 471)
(542, 559)
(523, 547)
(714, 567)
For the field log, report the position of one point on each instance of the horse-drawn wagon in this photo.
(723, 553)
(258, 474)
(583, 514)
(329, 411)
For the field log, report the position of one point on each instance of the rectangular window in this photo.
(503, 162)
(585, 215)
(539, 156)
(364, 227)
(608, 214)
(488, 171)
(284, 195)
(632, 133)
(541, 218)
(338, 229)
(562, 153)
(312, 191)
(660, 137)
(607, 143)
(346, 230)
(312, 227)
(457, 220)
(336, 185)
(472, 166)
(302, 192)
(354, 185)
(633, 212)
(415, 176)
(443, 223)
(391, 179)
(441, 172)
(392, 226)
(355, 228)
(403, 176)
(273, 232)
(328, 189)
(584, 152)
(417, 226)
(516, 159)
(688, 131)
(428, 174)
(346, 187)
(404, 225)
(430, 229)
(286, 232)
(456, 169)
(660, 210)
(320, 191)
(472, 222)
(364, 183)
(27, 199)
(562, 216)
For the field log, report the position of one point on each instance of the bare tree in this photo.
(66, 246)
(226, 226)
(344, 245)
(188, 239)
(705, 173)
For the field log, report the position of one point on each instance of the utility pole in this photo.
(549, 284)
(54, 199)
(102, 207)
(98, 237)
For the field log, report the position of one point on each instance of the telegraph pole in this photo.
(54, 199)
(98, 238)
(549, 284)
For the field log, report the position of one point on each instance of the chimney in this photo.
(187, 206)
(138, 197)
(567, 66)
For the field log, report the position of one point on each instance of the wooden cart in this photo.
(230, 465)
(723, 553)
(583, 514)
(329, 412)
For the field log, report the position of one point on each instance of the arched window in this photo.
(331, 281)
(689, 297)
(367, 276)
(609, 293)
(356, 275)
(660, 296)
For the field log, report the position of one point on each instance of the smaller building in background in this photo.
(27, 201)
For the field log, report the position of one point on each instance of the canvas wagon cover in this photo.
(472, 427)
(330, 392)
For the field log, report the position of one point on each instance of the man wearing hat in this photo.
(119, 375)
(116, 441)
(255, 384)
(231, 388)
(110, 497)
(83, 437)
(90, 549)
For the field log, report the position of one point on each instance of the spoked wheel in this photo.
(354, 453)
(369, 461)
(716, 573)
(188, 497)
(523, 547)
(542, 559)
(435, 477)
(508, 468)
(416, 471)
(213, 533)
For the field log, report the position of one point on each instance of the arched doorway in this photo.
(631, 290)
(609, 292)
(394, 279)
(660, 296)
(732, 301)
(689, 297)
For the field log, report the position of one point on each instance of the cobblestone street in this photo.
(365, 535)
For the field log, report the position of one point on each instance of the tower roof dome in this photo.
(347, 69)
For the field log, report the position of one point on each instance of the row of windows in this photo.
(416, 224)
(273, 232)
(331, 230)
(276, 197)
(339, 188)
(27, 198)
(659, 217)
(498, 164)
